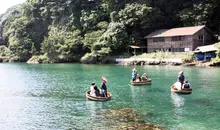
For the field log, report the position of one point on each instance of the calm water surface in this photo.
(52, 97)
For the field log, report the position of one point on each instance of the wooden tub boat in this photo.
(182, 91)
(93, 98)
(141, 83)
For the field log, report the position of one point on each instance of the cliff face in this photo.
(3, 19)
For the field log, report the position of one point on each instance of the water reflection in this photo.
(95, 108)
(140, 98)
(92, 107)
(178, 105)
(96, 115)
(138, 92)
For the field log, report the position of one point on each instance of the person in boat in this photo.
(138, 78)
(103, 87)
(181, 77)
(134, 74)
(97, 92)
(177, 86)
(186, 84)
(92, 90)
(144, 77)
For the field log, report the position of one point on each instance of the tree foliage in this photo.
(114, 39)
(67, 30)
(202, 12)
(217, 45)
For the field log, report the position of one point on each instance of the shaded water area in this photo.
(52, 97)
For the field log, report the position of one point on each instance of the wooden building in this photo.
(179, 39)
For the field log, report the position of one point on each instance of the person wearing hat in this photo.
(134, 74)
(103, 87)
(181, 77)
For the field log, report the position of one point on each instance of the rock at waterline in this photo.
(127, 119)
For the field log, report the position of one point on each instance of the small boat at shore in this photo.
(141, 83)
(101, 99)
(181, 91)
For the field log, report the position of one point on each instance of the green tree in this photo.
(49, 48)
(217, 45)
(202, 12)
(136, 17)
(113, 40)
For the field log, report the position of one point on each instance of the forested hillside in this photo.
(89, 30)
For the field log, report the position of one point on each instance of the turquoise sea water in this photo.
(52, 97)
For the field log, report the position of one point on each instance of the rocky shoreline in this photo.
(127, 62)
(165, 62)
(32, 60)
(9, 60)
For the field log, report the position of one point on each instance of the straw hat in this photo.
(181, 72)
(104, 79)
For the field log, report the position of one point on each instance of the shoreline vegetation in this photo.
(165, 58)
(157, 58)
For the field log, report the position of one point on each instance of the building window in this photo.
(201, 37)
(161, 39)
(155, 40)
(178, 49)
(177, 38)
(182, 49)
(158, 39)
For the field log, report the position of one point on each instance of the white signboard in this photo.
(187, 49)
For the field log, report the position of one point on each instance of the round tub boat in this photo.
(94, 98)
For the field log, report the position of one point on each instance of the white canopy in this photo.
(207, 48)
